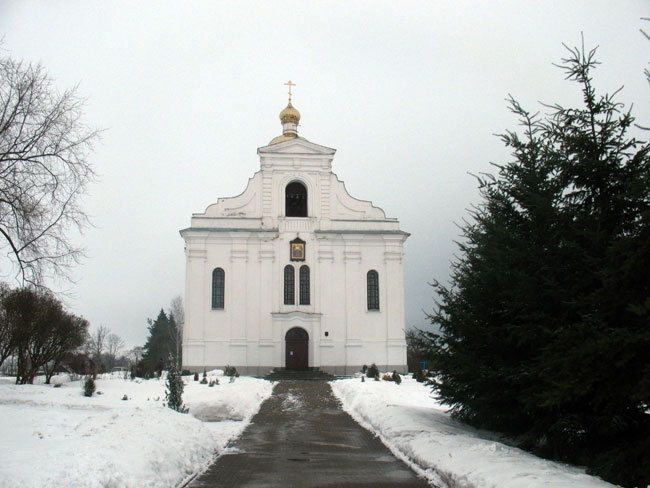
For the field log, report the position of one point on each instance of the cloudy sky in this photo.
(410, 93)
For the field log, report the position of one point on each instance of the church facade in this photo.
(294, 272)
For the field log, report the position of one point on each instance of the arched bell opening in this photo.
(295, 200)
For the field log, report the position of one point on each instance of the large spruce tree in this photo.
(160, 347)
(545, 327)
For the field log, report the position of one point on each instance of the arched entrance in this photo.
(297, 350)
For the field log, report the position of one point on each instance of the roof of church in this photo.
(282, 138)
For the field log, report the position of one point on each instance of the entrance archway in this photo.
(297, 349)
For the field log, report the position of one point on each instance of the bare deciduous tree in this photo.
(177, 310)
(178, 313)
(44, 170)
(97, 342)
(43, 332)
(135, 354)
(114, 345)
(6, 332)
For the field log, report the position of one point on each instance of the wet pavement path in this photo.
(302, 438)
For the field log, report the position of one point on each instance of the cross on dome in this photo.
(290, 84)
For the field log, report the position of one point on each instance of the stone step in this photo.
(315, 374)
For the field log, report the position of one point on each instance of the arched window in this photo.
(304, 285)
(295, 200)
(373, 290)
(289, 285)
(218, 288)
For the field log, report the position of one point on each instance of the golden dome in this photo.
(290, 115)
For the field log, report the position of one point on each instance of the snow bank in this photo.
(418, 430)
(57, 437)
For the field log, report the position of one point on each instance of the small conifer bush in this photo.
(372, 371)
(89, 386)
(419, 375)
(174, 389)
(396, 377)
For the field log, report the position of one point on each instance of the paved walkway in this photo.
(302, 438)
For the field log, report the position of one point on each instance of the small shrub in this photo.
(211, 384)
(396, 377)
(372, 371)
(364, 369)
(230, 371)
(196, 376)
(89, 386)
(363, 378)
(232, 379)
(419, 375)
(125, 397)
(204, 380)
(174, 389)
(186, 372)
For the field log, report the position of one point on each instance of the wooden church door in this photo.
(297, 349)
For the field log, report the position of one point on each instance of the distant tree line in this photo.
(38, 336)
(545, 327)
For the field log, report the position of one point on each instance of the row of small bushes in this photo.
(230, 371)
(373, 372)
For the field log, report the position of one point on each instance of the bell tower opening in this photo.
(295, 200)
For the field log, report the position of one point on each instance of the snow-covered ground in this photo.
(418, 430)
(57, 437)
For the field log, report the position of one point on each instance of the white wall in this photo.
(248, 236)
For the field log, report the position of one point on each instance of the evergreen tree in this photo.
(160, 344)
(174, 388)
(545, 329)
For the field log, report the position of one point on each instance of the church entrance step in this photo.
(311, 374)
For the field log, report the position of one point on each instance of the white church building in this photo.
(294, 272)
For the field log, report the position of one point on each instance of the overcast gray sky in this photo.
(410, 93)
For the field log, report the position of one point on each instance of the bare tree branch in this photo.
(44, 172)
